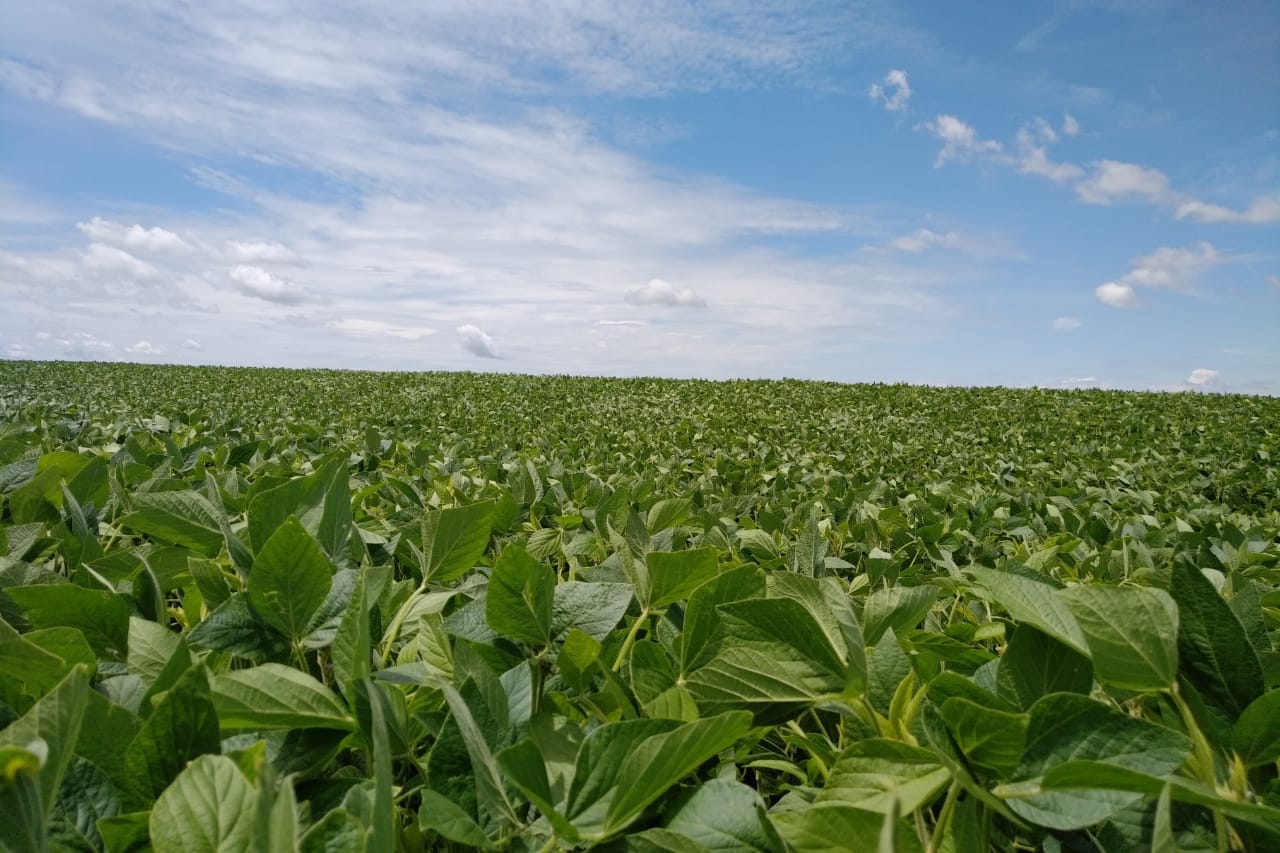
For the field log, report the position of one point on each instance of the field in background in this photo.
(343, 611)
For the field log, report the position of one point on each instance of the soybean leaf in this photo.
(725, 815)
(1132, 634)
(440, 814)
(207, 809)
(1256, 736)
(592, 608)
(1034, 603)
(453, 539)
(1034, 664)
(673, 575)
(660, 761)
(519, 600)
(1068, 727)
(702, 618)
(102, 616)
(290, 579)
(837, 826)
(1214, 654)
(235, 628)
(876, 773)
(177, 518)
(274, 696)
(898, 607)
(183, 725)
(47, 732)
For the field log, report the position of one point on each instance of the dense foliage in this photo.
(337, 611)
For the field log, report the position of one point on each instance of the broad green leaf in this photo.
(519, 601)
(488, 778)
(235, 628)
(338, 831)
(437, 813)
(774, 660)
(290, 578)
(48, 732)
(524, 765)
(1214, 653)
(597, 769)
(887, 667)
(102, 616)
(1096, 775)
(1034, 664)
(207, 809)
(183, 726)
(351, 650)
(1034, 603)
(727, 816)
(383, 819)
(673, 575)
(176, 518)
(151, 645)
(274, 696)
(453, 539)
(321, 502)
(1132, 634)
(697, 642)
(20, 659)
(877, 774)
(660, 761)
(836, 826)
(1256, 736)
(988, 738)
(592, 608)
(898, 607)
(1068, 727)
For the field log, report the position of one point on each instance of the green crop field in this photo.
(338, 611)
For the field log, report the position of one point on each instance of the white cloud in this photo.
(144, 348)
(1112, 179)
(622, 323)
(252, 252)
(660, 292)
(192, 344)
(1070, 127)
(377, 328)
(1261, 212)
(112, 261)
(1201, 376)
(1033, 157)
(1079, 381)
(134, 238)
(477, 342)
(960, 140)
(1065, 324)
(894, 94)
(1116, 295)
(257, 282)
(1167, 268)
(925, 239)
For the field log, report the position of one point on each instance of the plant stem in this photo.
(943, 823)
(1204, 759)
(631, 639)
(396, 624)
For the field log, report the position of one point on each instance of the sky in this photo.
(1061, 194)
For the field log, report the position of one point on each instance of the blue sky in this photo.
(1074, 194)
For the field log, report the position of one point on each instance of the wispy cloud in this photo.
(1065, 324)
(894, 92)
(1167, 268)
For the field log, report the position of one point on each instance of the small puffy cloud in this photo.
(1070, 127)
(252, 252)
(661, 292)
(476, 342)
(1065, 324)
(377, 328)
(1112, 179)
(144, 348)
(1171, 268)
(1201, 377)
(192, 344)
(1116, 295)
(82, 345)
(113, 261)
(960, 140)
(926, 239)
(1261, 212)
(257, 282)
(136, 238)
(894, 93)
(1167, 268)
(1033, 157)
